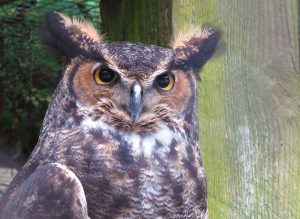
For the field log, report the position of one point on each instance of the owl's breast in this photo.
(129, 175)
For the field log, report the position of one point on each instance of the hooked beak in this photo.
(135, 102)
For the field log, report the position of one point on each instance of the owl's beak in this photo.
(135, 101)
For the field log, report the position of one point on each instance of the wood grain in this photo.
(250, 107)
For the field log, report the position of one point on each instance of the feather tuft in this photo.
(85, 26)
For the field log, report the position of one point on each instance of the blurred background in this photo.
(249, 94)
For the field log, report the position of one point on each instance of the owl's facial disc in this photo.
(131, 101)
(135, 101)
(132, 92)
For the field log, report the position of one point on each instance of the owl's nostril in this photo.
(136, 87)
(132, 91)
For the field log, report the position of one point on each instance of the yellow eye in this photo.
(105, 76)
(165, 81)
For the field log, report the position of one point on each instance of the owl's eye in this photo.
(165, 81)
(105, 76)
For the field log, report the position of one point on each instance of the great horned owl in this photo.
(120, 136)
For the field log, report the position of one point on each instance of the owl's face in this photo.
(140, 83)
(131, 86)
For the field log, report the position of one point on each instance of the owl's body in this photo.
(120, 145)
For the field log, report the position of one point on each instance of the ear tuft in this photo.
(83, 25)
(199, 33)
(194, 48)
(70, 36)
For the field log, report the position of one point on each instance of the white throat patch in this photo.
(140, 145)
(147, 145)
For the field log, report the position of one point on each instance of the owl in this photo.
(120, 136)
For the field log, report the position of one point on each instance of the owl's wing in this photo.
(51, 191)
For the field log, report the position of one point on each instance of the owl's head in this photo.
(132, 86)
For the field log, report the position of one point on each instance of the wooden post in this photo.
(250, 107)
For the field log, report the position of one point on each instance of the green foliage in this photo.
(28, 72)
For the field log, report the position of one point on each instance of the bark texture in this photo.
(137, 21)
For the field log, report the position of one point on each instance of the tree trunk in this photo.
(137, 21)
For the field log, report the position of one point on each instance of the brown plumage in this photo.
(120, 136)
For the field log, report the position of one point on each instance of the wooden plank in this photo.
(250, 107)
